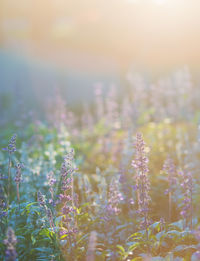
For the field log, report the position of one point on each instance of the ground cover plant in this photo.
(119, 181)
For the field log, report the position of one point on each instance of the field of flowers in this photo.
(117, 181)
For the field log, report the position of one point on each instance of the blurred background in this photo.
(73, 44)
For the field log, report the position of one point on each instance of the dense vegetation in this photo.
(120, 181)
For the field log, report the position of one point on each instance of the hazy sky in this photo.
(157, 35)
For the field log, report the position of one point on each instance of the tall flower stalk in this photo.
(11, 148)
(113, 208)
(51, 183)
(67, 199)
(187, 187)
(114, 199)
(10, 241)
(170, 169)
(140, 164)
(42, 201)
(18, 178)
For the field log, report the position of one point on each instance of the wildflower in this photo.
(18, 177)
(114, 199)
(51, 183)
(51, 179)
(170, 170)
(187, 186)
(67, 196)
(10, 243)
(11, 148)
(67, 171)
(140, 164)
(41, 199)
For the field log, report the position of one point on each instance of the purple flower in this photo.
(67, 170)
(114, 198)
(10, 242)
(51, 183)
(140, 164)
(18, 177)
(41, 199)
(67, 196)
(187, 187)
(51, 179)
(170, 169)
(11, 148)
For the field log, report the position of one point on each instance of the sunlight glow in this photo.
(160, 2)
(157, 2)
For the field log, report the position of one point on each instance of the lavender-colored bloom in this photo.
(10, 243)
(140, 164)
(51, 179)
(18, 177)
(114, 198)
(51, 183)
(67, 197)
(66, 210)
(187, 186)
(170, 169)
(69, 232)
(11, 148)
(67, 170)
(41, 199)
